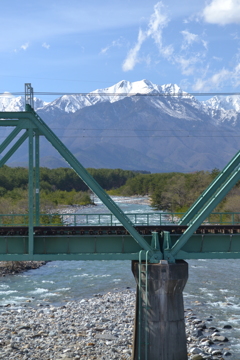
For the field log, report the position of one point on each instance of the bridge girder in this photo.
(171, 248)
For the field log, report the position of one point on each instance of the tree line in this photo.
(176, 192)
(61, 186)
(173, 192)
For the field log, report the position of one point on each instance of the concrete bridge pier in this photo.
(159, 332)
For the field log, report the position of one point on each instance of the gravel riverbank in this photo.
(16, 267)
(97, 328)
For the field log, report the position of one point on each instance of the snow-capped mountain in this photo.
(9, 102)
(73, 103)
(169, 99)
(120, 127)
(230, 102)
(221, 108)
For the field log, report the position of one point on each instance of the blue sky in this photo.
(79, 46)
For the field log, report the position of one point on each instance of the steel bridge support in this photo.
(159, 332)
(160, 274)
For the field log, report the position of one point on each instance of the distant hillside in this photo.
(168, 130)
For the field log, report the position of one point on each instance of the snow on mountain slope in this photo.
(72, 103)
(9, 102)
(230, 102)
(168, 98)
(223, 109)
(124, 88)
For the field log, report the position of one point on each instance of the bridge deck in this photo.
(93, 230)
(114, 242)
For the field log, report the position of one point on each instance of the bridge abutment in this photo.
(159, 332)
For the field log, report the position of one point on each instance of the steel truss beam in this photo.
(33, 123)
(114, 247)
(172, 251)
(10, 137)
(210, 190)
(14, 148)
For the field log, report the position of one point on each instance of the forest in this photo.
(173, 192)
(61, 186)
(176, 192)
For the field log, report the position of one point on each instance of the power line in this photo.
(186, 95)
(143, 136)
(148, 136)
(152, 130)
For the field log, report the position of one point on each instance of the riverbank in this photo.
(98, 328)
(16, 267)
(72, 209)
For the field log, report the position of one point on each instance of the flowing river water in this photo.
(213, 287)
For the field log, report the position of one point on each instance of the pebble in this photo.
(99, 328)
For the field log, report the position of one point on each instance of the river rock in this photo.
(219, 338)
(99, 328)
(227, 327)
(197, 357)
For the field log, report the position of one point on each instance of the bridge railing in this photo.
(107, 219)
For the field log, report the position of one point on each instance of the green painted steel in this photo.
(37, 179)
(89, 180)
(206, 210)
(71, 247)
(157, 246)
(29, 94)
(14, 148)
(105, 219)
(142, 302)
(108, 219)
(10, 138)
(114, 247)
(30, 192)
(211, 189)
(10, 123)
(31, 121)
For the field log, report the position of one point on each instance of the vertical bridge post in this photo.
(159, 332)
(30, 193)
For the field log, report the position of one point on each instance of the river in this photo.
(212, 288)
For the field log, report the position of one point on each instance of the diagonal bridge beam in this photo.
(210, 190)
(10, 137)
(171, 252)
(34, 122)
(14, 148)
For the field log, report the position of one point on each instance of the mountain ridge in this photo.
(169, 130)
(72, 103)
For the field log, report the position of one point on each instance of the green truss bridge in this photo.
(156, 246)
(184, 239)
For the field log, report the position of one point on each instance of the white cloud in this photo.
(104, 50)
(187, 65)
(219, 79)
(157, 22)
(64, 18)
(222, 12)
(132, 57)
(188, 39)
(205, 44)
(114, 43)
(187, 62)
(25, 46)
(235, 36)
(46, 46)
